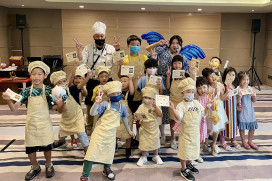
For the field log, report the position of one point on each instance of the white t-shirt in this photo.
(182, 109)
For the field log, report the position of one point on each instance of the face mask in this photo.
(134, 49)
(189, 97)
(64, 86)
(152, 71)
(148, 101)
(116, 98)
(100, 42)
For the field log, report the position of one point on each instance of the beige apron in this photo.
(149, 132)
(175, 97)
(103, 139)
(72, 119)
(121, 131)
(189, 135)
(138, 66)
(95, 118)
(38, 129)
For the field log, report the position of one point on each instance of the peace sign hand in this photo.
(116, 43)
(79, 46)
(154, 54)
(140, 74)
(98, 98)
(168, 73)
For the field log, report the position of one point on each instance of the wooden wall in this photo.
(3, 35)
(267, 69)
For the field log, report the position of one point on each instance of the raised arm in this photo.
(84, 82)
(13, 106)
(131, 85)
(154, 45)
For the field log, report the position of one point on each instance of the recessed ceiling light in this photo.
(142, 9)
(252, 10)
(22, 5)
(81, 6)
(199, 9)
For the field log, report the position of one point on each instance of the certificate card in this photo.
(233, 92)
(141, 116)
(83, 68)
(119, 55)
(246, 91)
(125, 70)
(71, 56)
(153, 80)
(14, 96)
(178, 74)
(162, 100)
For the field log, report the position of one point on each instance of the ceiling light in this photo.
(199, 9)
(81, 6)
(142, 9)
(252, 10)
(22, 5)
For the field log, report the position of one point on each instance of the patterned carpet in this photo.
(240, 164)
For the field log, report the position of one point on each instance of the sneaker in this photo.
(84, 179)
(142, 161)
(128, 152)
(59, 144)
(174, 145)
(49, 171)
(187, 175)
(74, 143)
(157, 159)
(217, 149)
(192, 168)
(32, 173)
(200, 160)
(108, 174)
(162, 140)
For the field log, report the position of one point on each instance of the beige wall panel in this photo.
(268, 59)
(236, 57)
(267, 71)
(235, 39)
(269, 39)
(269, 21)
(3, 16)
(3, 36)
(45, 37)
(40, 51)
(4, 55)
(196, 21)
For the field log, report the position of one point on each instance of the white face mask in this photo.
(148, 101)
(189, 96)
(64, 86)
(151, 71)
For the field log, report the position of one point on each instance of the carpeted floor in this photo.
(240, 164)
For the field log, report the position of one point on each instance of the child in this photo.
(134, 58)
(175, 96)
(217, 89)
(189, 113)
(230, 108)
(102, 74)
(215, 63)
(103, 139)
(246, 116)
(38, 102)
(127, 96)
(149, 132)
(72, 118)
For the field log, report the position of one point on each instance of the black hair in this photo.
(132, 38)
(177, 58)
(151, 62)
(200, 81)
(180, 41)
(206, 72)
(122, 76)
(241, 75)
(226, 71)
(220, 61)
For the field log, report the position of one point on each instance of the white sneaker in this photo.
(163, 140)
(200, 160)
(142, 161)
(174, 145)
(157, 159)
(217, 149)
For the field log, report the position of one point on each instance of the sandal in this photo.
(255, 147)
(246, 145)
(236, 145)
(225, 146)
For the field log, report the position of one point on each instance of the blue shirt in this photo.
(142, 83)
(114, 107)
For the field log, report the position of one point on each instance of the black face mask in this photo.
(100, 42)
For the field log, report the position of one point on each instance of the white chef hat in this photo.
(99, 27)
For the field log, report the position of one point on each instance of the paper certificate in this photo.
(14, 96)
(141, 116)
(233, 92)
(83, 68)
(153, 80)
(71, 56)
(178, 74)
(125, 70)
(162, 100)
(120, 55)
(246, 91)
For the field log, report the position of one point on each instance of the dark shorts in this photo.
(38, 148)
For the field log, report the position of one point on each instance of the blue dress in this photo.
(246, 118)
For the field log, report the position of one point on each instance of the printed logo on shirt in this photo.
(193, 109)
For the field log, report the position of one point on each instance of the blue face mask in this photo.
(134, 49)
(116, 98)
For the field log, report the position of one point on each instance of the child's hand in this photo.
(162, 42)
(131, 134)
(239, 108)
(171, 105)
(168, 73)
(116, 43)
(89, 74)
(154, 54)
(77, 62)
(5, 96)
(135, 117)
(154, 104)
(194, 72)
(183, 77)
(121, 62)
(79, 46)
(130, 76)
(159, 84)
(140, 74)
(98, 98)
(59, 100)
(239, 95)
(253, 93)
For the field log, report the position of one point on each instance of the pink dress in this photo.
(203, 124)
